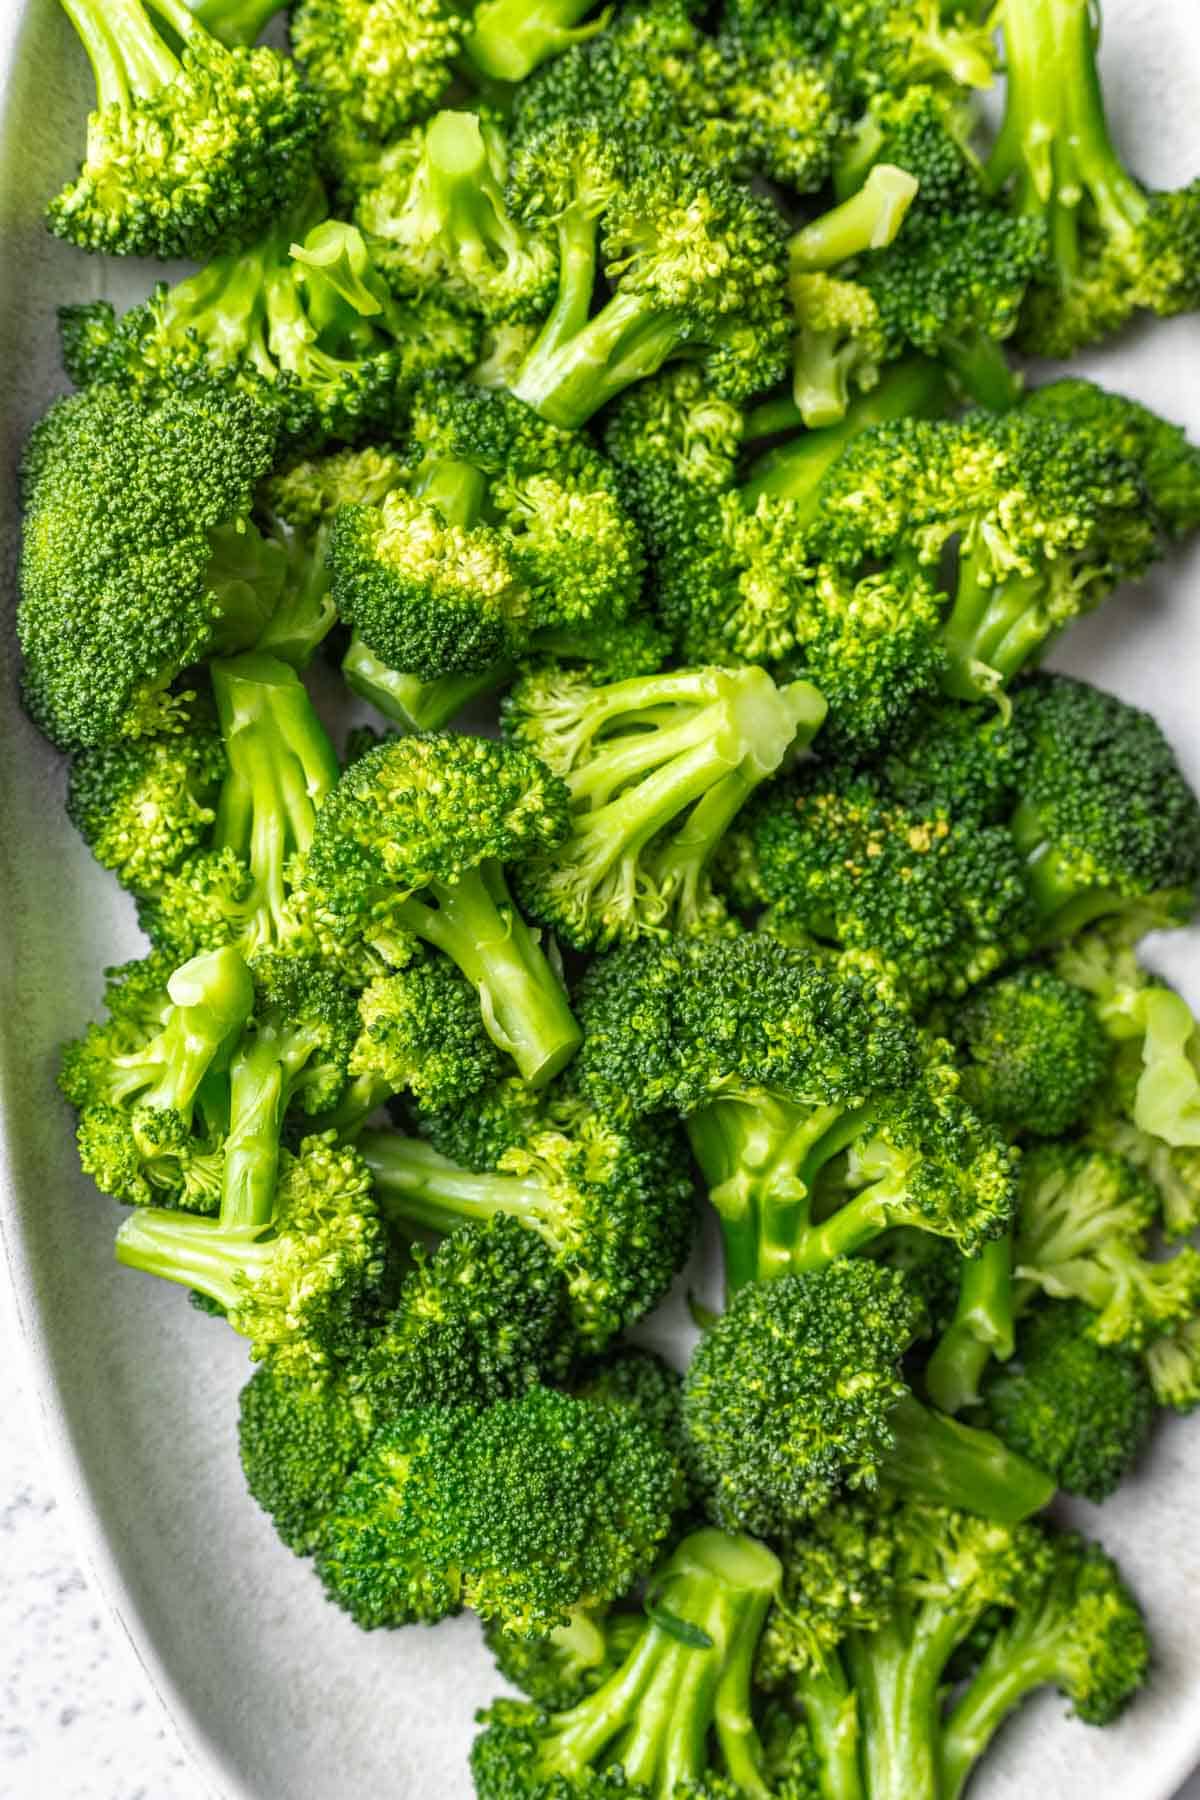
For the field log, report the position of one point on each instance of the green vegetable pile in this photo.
(643, 375)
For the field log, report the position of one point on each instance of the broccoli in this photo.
(240, 886)
(186, 151)
(148, 1082)
(300, 1439)
(1169, 464)
(641, 1380)
(1107, 821)
(1116, 247)
(964, 757)
(656, 769)
(139, 556)
(1034, 1052)
(300, 1283)
(607, 1198)
(938, 897)
(1077, 1409)
(560, 1670)
(377, 64)
(521, 1511)
(1173, 1365)
(779, 1063)
(636, 1733)
(951, 1570)
(882, 46)
(982, 1324)
(794, 1394)
(696, 264)
(506, 528)
(302, 321)
(1078, 1630)
(411, 843)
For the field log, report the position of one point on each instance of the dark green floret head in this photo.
(1169, 464)
(299, 1440)
(421, 1033)
(1035, 1052)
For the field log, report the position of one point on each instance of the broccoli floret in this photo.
(302, 321)
(147, 1082)
(411, 843)
(609, 1199)
(1083, 1227)
(561, 1670)
(941, 899)
(951, 1571)
(300, 1439)
(144, 804)
(695, 261)
(1169, 464)
(649, 807)
(139, 557)
(1173, 1365)
(1116, 247)
(1079, 1630)
(1034, 1052)
(239, 887)
(794, 1393)
(300, 1284)
(521, 1511)
(642, 1380)
(378, 64)
(965, 758)
(1107, 821)
(187, 149)
(632, 1735)
(1077, 1409)
(508, 529)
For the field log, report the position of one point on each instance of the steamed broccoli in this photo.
(411, 843)
(794, 1394)
(299, 1440)
(139, 556)
(188, 149)
(1034, 1052)
(656, 769)
(1116, 247)
(560, 1670)
(1169, 464)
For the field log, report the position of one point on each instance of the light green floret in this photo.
(412, 842)
(656, 769)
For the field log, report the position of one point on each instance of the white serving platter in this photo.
(278, 1696)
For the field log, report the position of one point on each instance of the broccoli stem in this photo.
(994, 629)
(525, 1011)
(411, 703)
(568, 378)
(417, 1186)
(211, 997)
(982, 1327)
(235, 23)
(831, 1710)
(464, 196)
(262, 1079)
(897, 1671)
(128, 57)
(207, 1255)
(1065, 902)
(982, 370)
(281, 766)
(912, 389)
(1022, 1659)
(690, 1670)
(869, 220)
(576, 230)
(304, 614)
(937, 1459)
(511, 37)
(246, 573)
(457, 490)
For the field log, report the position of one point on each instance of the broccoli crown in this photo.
(650, 807)
(144, 804)
(965, 758)
(824, 1349)
(497, 1119)
(482, 1317)
(678, 1024)
(1169, 464)
(378, 64)
(185, 152)
(1083, 1226)
(421, 1033)
(1106, 815)
(641, 1380)
(941, 900)
(138, 554)
(839, 1575)
(300, 1440)
(416, 811)
(1115, 246)
(1035, 1050)
(1077, 1409)
(521, 1510)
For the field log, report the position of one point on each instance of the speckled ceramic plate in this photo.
(277, 1694)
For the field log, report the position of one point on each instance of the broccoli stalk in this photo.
(509, 38)
(235, 22)
(687, 1677)
(983, 1327)
(407, 700)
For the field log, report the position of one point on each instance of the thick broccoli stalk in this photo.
(707, 1605)
(1107, 821)
(300, 1283)
(509, 38)
(149, 1085)
(650, 807)
(411, 843)
(826, 1407)
(1078, 1630)
(1115, 246)
(606, 1200)
(139, 558)
(696, 263)
(185, 151)
(410, 702)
